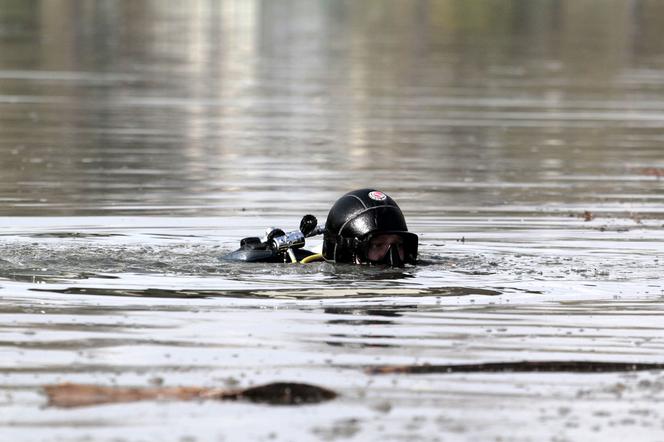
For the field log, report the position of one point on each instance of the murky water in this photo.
(139, 141)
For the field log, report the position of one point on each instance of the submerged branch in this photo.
(518, 367)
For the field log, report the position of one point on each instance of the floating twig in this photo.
(69, 395)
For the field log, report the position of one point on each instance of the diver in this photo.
(364, 226)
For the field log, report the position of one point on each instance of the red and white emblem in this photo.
(377, 196)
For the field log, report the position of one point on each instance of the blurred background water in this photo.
(140, 140)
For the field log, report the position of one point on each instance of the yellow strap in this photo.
(311, 258)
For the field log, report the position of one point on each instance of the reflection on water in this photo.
(214, 107)
(522, 138)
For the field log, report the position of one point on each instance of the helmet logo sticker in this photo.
(377, 196)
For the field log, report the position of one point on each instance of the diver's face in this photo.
(380, 244)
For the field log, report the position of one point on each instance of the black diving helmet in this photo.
(367, 227)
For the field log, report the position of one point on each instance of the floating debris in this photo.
(657, 172)
(69, 395)
(519, 367)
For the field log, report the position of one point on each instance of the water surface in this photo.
(139, 141)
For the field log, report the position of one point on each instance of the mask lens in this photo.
(380, 245)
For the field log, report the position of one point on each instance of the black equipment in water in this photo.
(356, 219)
(363, 227)
(277, 245)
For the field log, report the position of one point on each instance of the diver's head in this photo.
(367, 227)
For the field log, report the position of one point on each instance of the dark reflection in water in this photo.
(212, 107)
(388, 311)
(259, 294)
